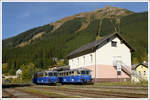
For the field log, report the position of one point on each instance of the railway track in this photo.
(16, 90)
(96, 93)
(105, 87)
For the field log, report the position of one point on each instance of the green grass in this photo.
(16, 81)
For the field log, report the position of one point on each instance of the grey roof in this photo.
(96, 43)
(134, 66)
(77, 69)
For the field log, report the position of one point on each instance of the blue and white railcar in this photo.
(75, 76)
(45, 77)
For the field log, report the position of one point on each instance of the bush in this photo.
(27, 71)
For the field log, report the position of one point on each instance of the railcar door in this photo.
(40, 77)
(50, 74)
(45, 77)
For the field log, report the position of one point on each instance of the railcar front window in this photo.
(40, 75)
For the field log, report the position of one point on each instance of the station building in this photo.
(109, 58)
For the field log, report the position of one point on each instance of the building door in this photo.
(117, 62)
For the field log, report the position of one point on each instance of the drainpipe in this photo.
(95, 66)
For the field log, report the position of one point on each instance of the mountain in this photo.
(55, 40)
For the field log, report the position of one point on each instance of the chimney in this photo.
(144, 62)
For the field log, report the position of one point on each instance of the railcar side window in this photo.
(50, 74)
(78, 72)
(75, 73)
(82, 72)
(55, 74)
(65, 73)
(72, 73)
(46, 74)
(87, 72)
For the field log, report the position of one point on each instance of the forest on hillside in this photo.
(42, 51)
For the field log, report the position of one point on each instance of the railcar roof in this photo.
(79, 69)
(51, 71)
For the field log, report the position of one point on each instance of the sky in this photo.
(18, 17)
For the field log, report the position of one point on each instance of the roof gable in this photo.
(100, 42)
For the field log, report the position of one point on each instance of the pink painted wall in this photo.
(106, 71)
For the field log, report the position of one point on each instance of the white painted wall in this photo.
(104, 55)
(81, 61)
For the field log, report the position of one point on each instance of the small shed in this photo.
(140, 72)
(18, 73)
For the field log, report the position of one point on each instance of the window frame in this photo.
(113, 44)
(144, 72)
(118, 72)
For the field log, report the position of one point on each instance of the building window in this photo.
(118, 72)
(144, 72)
(91, 56)
(139, 73)
(113, 44)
